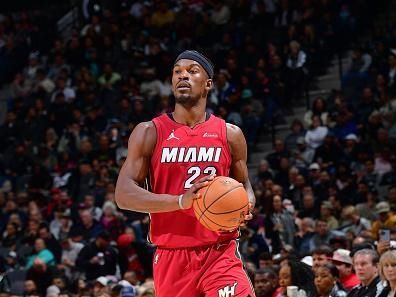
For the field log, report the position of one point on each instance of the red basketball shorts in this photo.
(210, 271)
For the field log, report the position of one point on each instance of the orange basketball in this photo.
(223, 205)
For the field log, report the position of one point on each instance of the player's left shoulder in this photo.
(236, 140)
(234, 133)
(233, 129)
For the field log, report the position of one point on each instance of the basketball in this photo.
(223, 205)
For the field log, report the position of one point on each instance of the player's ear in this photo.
(209, 84)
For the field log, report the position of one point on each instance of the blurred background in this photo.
(311, 84)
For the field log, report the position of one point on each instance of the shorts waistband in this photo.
(216, 245)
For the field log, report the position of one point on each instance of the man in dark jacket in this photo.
(98, 258)
(365, 264)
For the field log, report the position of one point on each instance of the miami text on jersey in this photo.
(190, 154)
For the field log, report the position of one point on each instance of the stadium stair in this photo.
(323, 86)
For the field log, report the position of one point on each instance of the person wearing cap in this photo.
(100, 285)
(385, 220)
(128, 291)
(343, 261)
(165, 149)
(354, 222)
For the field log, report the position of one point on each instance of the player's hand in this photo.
(192, 193)
(249, 215)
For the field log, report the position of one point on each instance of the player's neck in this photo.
(189, 117)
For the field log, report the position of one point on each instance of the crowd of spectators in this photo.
(68, 105)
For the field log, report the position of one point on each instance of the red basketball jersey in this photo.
(181, 156)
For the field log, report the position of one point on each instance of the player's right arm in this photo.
(129, 193)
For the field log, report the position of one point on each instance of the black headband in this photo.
(198, 57)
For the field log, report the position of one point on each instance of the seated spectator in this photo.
(343, 261)
(41, 274)
(70, 251)
(111, 219)
(279, 152)
(392, 71)
(162, 16)
(303, 155)
(321, 255)
(392, 197)
(11, 236)
(316, 133)
(322, 235)
(385, 219)
(308, 207)
(89, 204)
(326, 214)
(386, 268)
(318, 108)
(296, 72)
(89, 227)
(382, 160)
(264, 172)
(279, 221)
(328, 153)
(357, 69)
(367, 209)
(65, 226)
(51, 242)
(353, 222)
(41, 253)
(389, 178)
(266, 283)
(345, 124)
(265, 260)
(109, 78)
(98, 258)
(303, 237)
(101, 286)
(297, 131)
(368, 103)
(327, 282)
(365, 264)
(135, 257)
(30, 288)
(298, 274)
(296, 190)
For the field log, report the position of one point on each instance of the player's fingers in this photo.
(206, 178)
(248, 217)
(199, 185)
(197, 195)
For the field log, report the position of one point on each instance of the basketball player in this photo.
(180, 153)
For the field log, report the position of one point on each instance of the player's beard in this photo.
(186, 100)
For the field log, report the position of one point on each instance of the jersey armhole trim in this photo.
(226, 144)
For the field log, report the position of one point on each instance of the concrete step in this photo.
(328, 77)
(323, 86)
(330, 84)
(317, 93)
(256, 157)
(300, 110)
